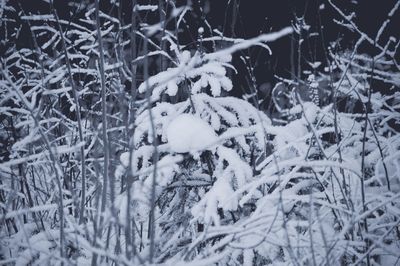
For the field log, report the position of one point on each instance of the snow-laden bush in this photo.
(231, 188)
(204, 148)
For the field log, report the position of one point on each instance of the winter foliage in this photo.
(123, 145)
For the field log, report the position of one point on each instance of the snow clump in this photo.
(188, 133)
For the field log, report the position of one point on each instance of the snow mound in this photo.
(190, 133)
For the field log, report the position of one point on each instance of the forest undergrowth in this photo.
(122, 144)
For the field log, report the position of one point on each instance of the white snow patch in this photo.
(190, 133)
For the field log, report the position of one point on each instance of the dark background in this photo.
(247, 19)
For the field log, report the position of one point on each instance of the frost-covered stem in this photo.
(313, 130)
(334, 96)
(337, 138)
(235, 11)
(54, 162)
(161, 6)
(129, 233)
(284, 225)
(189, 91)
(378, 143)
(280, 202)
(155, 154)
(381, 154)
(280, 208)
(299, 54)
(124, 108)
(44, 84)
(252, 82)
(77, 111)
(104, 124)
(363, 35)
(321, 228)
(269, 37)
(363, 171)
(28, 193)
(38, 50)
(386, 22)
(310, 222)
(292, 64)
(321, 148)
(103, 104)
(378, 243)
(335, 119)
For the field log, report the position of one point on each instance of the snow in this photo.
(188, 133)
(200, 30)
(315, 64)
(218, 197)
(145, 8)
(208, 72)
(261, 188)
